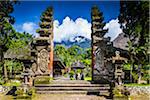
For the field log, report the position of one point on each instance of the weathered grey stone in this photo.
(136, 90)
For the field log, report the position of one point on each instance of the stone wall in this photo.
(4, 89)
(137, 90)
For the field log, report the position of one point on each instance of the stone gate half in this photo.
(42, 46)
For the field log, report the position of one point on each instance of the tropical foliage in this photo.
(10, 40)
(74, 53)
(134, 19)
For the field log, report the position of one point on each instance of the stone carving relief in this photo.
(99, 61)
(43, 60)
(102, 68)
(34, 67)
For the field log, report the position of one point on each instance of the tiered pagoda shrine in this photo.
(42, 46)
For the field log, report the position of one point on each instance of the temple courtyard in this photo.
(74, 50)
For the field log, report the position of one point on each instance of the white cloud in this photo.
(70, 29)
(113, 29)
(30, 27)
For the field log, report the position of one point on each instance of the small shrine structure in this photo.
(78, 66)
(58, 66)
(118, 64)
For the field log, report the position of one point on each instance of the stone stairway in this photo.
(72, 87)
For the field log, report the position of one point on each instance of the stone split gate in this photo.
(103, 62)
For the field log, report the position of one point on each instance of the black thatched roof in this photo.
(56, 58)
(78, 65)
(58, 61)
(123, 53)
(121, 41)
(111, 52)
(21, 54)
(25, 55)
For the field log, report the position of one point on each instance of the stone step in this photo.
(71, 85)
(70, 82)
(71, 88)
(72, 92)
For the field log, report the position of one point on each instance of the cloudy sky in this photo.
(71, 19)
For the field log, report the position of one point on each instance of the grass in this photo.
(12, 84)
(135, 84)
(88, 78)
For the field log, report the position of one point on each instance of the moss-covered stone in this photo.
(43, 80)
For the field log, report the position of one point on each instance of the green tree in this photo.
(75, 52)
(60, 50)
(13, 66)
(6, 30)
(134, 19)
(62, 53)
(20, 43)
(18, 48)
(88, 54)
